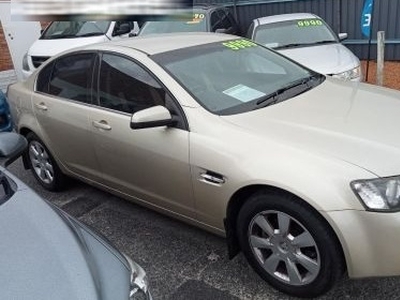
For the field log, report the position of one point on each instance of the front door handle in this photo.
(41, 106)
(101, 125)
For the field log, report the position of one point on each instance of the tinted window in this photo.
(72, 77)
(43, 79)
(125, 86)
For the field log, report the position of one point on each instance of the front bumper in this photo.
(370, 241)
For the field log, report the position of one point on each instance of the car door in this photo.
(150, 164)
(61, 104)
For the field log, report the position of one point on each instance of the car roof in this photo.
(285, 17)
(159, 43)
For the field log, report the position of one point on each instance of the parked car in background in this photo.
(5, 116)
(307, 39)
(47, 254)
(210, 18)
(63, 35)
(298, 170)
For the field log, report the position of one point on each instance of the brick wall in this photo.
(5, 58)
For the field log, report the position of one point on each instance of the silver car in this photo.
(298, 170)
(307, 39)
(46, 254)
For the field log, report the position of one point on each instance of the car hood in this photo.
(326, 59)
(53, 47)
(354, 122)
(45, 254)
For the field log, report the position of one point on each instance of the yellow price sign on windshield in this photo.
(309, 22)
(239, 44)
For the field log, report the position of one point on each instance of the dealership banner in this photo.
(366, 18)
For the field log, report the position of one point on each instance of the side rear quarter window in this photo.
(43, 79)
(71, 77)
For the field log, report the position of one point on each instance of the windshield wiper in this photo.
(274, 98)
(290, 45)
(90, 34)
(305, 44)
(59, 36)
(324, 42)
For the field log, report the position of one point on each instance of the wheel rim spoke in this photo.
(34, 151)
(271, 263)
(293, 273)
(309, 264)
(284, 222)
(262, 222)
(304, 240)
(49, 175)
(258, 242)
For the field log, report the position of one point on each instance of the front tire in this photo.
(288, 244)
(44, 167)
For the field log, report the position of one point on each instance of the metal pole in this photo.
(370, 41)
(380, 58)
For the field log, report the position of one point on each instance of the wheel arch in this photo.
(239, 198)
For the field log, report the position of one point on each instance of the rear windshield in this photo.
(197, 24)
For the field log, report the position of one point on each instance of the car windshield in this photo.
(72, 29)
(294, 33)
(197, 24)
(236, 76)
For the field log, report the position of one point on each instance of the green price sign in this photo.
(239, 44)
(309, 22)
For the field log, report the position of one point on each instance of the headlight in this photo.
(382, 194)
(25, 65)
(139, 282)
(350, 74)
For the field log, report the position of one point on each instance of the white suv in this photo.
(64, 35)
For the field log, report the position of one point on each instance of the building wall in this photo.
(341, 15)
(5, 58)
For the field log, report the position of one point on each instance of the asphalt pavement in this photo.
(182, 262)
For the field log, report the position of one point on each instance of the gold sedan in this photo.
(299, 171)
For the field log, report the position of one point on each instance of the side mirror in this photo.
(123, 29)
(155, 116)
(133, 34)
(12, 145)
(342, 36)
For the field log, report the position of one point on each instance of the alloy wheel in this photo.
(41, 162)
(284, 247)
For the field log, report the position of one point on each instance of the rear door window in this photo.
(72, 77)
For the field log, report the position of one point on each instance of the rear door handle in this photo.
(41, 106)
(101, 125)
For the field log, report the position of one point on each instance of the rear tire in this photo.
(289, 245)
(43, 165)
